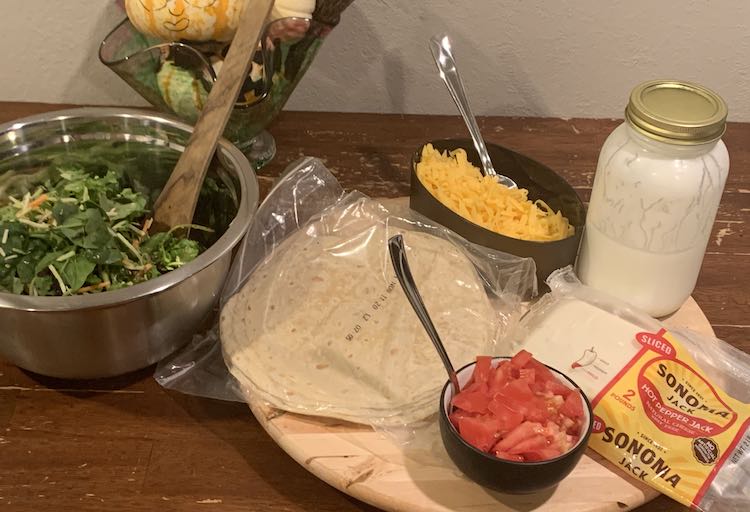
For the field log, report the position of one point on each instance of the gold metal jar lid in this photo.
(677, 112)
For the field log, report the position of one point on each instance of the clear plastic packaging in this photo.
(319, 325)
(671, 406)
(313, 320)
(198, 368)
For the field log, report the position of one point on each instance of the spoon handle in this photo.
(440, 46)
(405, 278)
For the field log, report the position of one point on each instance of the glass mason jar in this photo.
(657, 188)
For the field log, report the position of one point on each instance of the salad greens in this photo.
(79, 232)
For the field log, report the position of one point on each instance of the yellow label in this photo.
(664, 422)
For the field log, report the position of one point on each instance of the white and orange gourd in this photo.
(201, 20)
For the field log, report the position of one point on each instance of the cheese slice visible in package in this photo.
(661, 410)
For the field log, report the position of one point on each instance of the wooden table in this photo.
(127, 444)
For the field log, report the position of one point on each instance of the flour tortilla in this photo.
(323, 327)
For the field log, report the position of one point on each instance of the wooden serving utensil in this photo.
(329, 11)
(176, 203)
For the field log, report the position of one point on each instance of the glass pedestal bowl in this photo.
(175, 77)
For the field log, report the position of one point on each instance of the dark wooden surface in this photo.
(127, 444)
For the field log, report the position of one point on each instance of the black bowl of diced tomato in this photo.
(517, 426)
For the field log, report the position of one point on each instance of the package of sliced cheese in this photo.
(672, 408)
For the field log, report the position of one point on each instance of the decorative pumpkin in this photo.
(181, 91)
(201, 20)
(191, 20)
(292, 9)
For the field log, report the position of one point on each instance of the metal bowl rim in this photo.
(249, 196)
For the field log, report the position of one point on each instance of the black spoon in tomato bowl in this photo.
(511, 424)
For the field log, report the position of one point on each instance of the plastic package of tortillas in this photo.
(672, 407)
(314, 321)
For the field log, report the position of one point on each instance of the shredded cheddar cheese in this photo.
(460, 186)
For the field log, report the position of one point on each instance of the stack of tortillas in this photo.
(322, 326)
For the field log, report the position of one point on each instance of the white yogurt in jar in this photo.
(652, 208)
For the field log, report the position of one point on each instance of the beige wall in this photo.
(531, 57)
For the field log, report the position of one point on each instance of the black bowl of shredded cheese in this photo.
(543, 219)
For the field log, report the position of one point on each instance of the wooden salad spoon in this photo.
(176, 203)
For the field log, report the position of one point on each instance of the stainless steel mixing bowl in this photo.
(115, 332)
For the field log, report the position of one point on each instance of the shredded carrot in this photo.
(38, 201)
(147, 267)
(146, 226)
(94, 287)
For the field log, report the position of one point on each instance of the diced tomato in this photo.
(456, 416)
(480, 387)
(573, 406)
(528, 375)
(575, 428)
(532, 443)
(500, 377)
(508, 456)
(479, 431)
(551, 429)
(471, 401)
(538, 388)
(558, 438)
(507, 418)
(525, 430)
(518, 410)
(538, 410)
(517, 395)
(518, 389)
(482, 368)
(543, 374)
(554, 403)
(567, 424)
(520, 359)
(557, 388)
(547, 453)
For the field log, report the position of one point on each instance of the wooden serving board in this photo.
(420, 477)
(372, 467)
